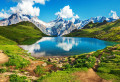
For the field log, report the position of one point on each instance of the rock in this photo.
(59, 65)
(1, 51)
(44, 64)
(26, 73)
(53, 60)
(50, 59)
(72, 59)
(57, 58)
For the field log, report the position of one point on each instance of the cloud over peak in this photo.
(114, 14)
(3, 14)
(24, 7)
(66, 12)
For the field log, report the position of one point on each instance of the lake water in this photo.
(65, 46)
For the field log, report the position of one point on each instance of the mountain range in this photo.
(57, 27)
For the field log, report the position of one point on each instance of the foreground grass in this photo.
(16, 78)
(14, 53)
(105, 31)
(62, 76)
(109, 67)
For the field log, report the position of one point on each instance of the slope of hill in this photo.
(107, 31)
(57, 27)
(5, 41)
(23, 32)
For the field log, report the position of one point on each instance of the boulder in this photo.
(59, 65)
(44, 64)
(72, 59)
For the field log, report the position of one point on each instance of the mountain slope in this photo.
(21, 32)
(5, 41)
(108, 31)
(57, 27)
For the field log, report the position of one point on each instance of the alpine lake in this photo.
(65, 46)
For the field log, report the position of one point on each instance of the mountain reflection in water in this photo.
(65, 46)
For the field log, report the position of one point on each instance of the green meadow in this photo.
(108, 67)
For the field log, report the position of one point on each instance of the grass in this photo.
(21, 33)
(61, 76)
(5, 41)
(14, 53)
(109, 67)
(105, 31)
(16, 78)
(39, 70)
(81, 63)
(84, 61)
(27, 33)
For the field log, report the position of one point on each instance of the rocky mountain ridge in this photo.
(57, 27)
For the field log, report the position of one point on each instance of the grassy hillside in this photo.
(5, 41)
(22, 33)
(105, 31)
(109, 65)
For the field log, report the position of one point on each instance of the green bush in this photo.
(67, 66)
(16, 78)
(83, 61)
(91, 62)
(39, 70)
(3, 70)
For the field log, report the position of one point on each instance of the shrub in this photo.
(39, 70)
(85, 62)
(91, 62)
(67, 66)
(16, 78)
(3, 70)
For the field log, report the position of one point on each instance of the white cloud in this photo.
(74, 17)
(67, 44)
(31, 48)
(3, 14)
(66, 12)
(36, 1)
(26, 7)
(114, 14)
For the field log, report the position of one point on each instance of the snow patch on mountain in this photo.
(59, 26)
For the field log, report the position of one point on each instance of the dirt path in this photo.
(3, 58)
(89, 76)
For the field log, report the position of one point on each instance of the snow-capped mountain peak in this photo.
(59, 26)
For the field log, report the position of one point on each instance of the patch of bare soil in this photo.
(3, 58)
(89, 76)
(4, 78)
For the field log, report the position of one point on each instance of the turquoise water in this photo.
(65, 46)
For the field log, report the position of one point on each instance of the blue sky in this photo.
(83, 8)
